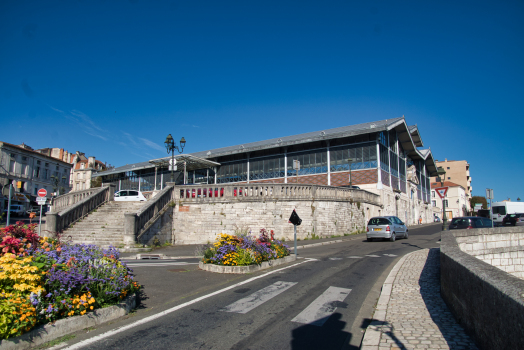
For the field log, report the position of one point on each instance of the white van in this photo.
(16, 210)
(501, 209)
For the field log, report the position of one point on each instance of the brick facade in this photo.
(385, 178)
(360, 177)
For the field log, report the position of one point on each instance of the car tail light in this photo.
(469, 227)
(388, 229)
(367, 229)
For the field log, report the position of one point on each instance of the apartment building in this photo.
(457, 202)
(457, 171)
(30, 171)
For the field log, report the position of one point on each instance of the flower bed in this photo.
(244, 250)
(43, 280)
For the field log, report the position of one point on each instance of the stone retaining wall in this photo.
(500, 247)
(486, 301)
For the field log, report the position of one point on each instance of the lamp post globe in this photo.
(170, 147)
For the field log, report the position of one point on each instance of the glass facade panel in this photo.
(364, 157)
(311, 162)
(384, 158)
(231, 172)
(266, 168)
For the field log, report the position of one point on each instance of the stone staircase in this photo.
(103, 227)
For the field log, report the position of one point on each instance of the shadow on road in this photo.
(387, 328)
(328, 336)
(429, 283)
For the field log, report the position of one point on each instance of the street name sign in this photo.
(42, 192)
(442, 191)
(41, 200)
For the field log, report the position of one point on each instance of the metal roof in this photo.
(344, 131)
(192, 163)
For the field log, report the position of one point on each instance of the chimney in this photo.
(91, 162)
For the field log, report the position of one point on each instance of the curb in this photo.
(51, 331)
(371, 339)
(245, 269)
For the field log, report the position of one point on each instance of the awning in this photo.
(192, 162)
(19, 197)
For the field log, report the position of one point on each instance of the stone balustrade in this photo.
(260, 191)
(66, 200)
(56, 222)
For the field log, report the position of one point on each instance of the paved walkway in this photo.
(410, 313)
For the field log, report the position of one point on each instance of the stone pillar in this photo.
(129, 229)
(51, 220)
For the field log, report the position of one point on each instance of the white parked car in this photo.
(129, 196)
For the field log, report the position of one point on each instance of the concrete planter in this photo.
(48, 332)
(245, 269)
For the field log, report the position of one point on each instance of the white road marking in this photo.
(374, 256)
(355, 257)
(247, 304)
(335, 258)
(390, 255)
(318, 312)
(110, 333)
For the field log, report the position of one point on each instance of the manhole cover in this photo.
(177, 270)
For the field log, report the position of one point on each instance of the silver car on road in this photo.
(388, 227)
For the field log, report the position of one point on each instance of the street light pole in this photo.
(442, 174)
(170, 147)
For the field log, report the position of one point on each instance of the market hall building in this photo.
(384, 156)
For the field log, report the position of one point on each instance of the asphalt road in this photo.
(324, 300)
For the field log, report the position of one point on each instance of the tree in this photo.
(478, 199)
(96, 181)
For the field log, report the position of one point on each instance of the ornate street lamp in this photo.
(171, 147)
(442, 175)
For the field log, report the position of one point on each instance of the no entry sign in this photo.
(42, 192)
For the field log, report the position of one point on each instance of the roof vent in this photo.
(372, 126)
(279, 141)
(208, 152)
(241, 147)
(322, 133)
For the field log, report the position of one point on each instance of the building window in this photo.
(38, 162)
(36, 173)
(12, 165)
(449, 178)
(46, 164)
(448, 167)
(57, 168)
(24, 169)
(24, 158)
(432, 194)
(82, 166)
(36, 190)
(45, 177)
(364, 157)
(434, 203)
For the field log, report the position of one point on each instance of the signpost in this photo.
(296, 166)
(295, 220)
(41, 200)
(442, 194)
(9, 203)
(489, 195)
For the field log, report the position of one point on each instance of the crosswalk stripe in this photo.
(335, 258)
(390, 255)
(374, 256)
(321, 308)
(355, 257)
(247, 304)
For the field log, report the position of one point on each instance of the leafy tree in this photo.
(478, 199)
(96, 181)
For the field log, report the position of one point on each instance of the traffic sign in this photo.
(42, 192)
(41, 200)
(442, 191)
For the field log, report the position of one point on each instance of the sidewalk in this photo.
(410, 313)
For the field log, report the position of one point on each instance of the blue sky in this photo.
(113, 78)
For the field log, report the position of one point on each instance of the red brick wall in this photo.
(360, 177)
(385, 178)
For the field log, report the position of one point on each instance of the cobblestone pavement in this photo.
(414, 316)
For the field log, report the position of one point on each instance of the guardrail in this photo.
(58, 221)
(67, 200)
(149, 213)
(261, 191)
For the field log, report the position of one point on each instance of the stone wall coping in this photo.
(487, 301)
(51, 331)
(245, 269)
(486, 231)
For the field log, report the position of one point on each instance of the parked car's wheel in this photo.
(406, 235)
(392, 238)
(369, 239)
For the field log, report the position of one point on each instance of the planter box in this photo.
(246, 269)
(45, 333)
